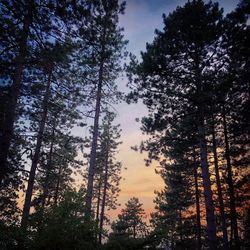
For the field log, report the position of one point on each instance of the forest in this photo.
(60, 65)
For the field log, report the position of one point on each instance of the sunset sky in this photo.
(141, 18)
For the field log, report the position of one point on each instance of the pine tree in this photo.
(28, 26)
(51, 60)
(108, 170)
(14, 55)
(111, 169)
(174, 74)
(131, 220)
(106, 45)
(29, 30)
(215, 162)
(63, 225)
(173, 218)
(234, 104)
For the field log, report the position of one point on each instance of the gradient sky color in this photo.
(140, 20)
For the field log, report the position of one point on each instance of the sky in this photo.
(140, 20)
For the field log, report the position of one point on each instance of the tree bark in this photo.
(98, 208)
(92, 163)
(35, 160)
(134, 231)
(104, 191)
(234, 226)
(94, 146)
(218, 183)
(7, 123)
(210, 218)
(98, 200)
(208, 196)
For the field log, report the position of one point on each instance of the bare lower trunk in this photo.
(94, 146)
(35, 160)
(210, 218)
(98, 208)
(218, 183)
(98, 201)
(134, 232)
(104, 194)
(209, 206)
(96, 128)
(7, 123)
(198, 213)
(234, 226)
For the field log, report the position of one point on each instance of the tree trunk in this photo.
(94, 144)
(218, 183)
(35, 160)
(98, 200)
(7, 124)
(104, 193)
(134, 231)
(210, 218)
(197, 203)
(98, 208)
(208, 196)
(234, 226)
